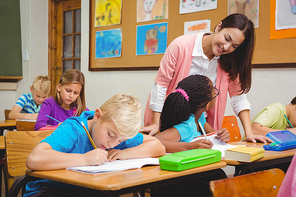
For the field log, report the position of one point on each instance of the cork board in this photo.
(267, 54)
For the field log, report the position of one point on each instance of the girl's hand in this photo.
(201, 144)
(151, 129)
(260, 138)
(114, 154)
(223, 135)
(95, 157)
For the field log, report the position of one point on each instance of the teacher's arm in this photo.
(245, 119)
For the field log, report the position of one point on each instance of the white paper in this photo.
(118, 165)
(217, 144)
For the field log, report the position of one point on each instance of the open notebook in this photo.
(217, 144)
(118, 165)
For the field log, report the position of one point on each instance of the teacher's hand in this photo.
(260, 138)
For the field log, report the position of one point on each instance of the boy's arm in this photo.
(15, 113)
(170, 139)
(259, 129)
(43, 157)
(151, 147)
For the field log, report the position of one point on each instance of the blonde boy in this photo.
(28, 105)
(114, 129)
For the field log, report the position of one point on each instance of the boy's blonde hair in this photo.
(76, 77)
(42, 84)
(126, 113)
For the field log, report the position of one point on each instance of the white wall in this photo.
(34, 22)
(268, 85)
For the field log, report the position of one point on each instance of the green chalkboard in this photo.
(10, 39)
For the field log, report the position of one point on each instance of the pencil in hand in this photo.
(89, 137)
(203, 131)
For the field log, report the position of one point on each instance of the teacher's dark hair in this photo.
(239, 62)
(177, 109)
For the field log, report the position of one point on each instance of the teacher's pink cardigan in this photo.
(175, 65)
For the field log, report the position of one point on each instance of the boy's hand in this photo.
(96, 157)
(202, 143)
(114, 154)
(223, 135)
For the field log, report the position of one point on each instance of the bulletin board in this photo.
(278, 53)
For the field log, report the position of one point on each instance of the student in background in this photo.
(183, 109)
(114, 128)
(224, 56)
(69, 100)
(28, 105)
(275, 117)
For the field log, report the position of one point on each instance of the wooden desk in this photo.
(118, 183)
(7, 124)
(270, 159)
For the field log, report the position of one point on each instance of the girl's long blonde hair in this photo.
(76, 77)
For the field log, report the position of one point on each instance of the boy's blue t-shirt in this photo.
(70, 137)
(188, 129)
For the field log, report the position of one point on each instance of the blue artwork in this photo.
(108, 43)
(151, 39)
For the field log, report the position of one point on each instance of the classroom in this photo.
(273, 76)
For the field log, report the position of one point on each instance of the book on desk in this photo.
(244, 153)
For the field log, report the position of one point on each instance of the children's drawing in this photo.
(148, 10)
(250, 8)
(188, 6)
(284, 16)
(151, 39)
(107, 12)
(108, 43)
(192, 27)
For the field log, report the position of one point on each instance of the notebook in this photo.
(217, 144)
(115, 166)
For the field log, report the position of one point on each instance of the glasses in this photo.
(216, 94)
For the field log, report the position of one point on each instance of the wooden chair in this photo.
(6, 112)
(19, 145)
(230, 123)
(257, 184)
(25, 126)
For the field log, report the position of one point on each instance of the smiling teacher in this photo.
(224, 56)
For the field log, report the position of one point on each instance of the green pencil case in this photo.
(189, 159)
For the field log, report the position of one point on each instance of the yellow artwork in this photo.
(108, 12)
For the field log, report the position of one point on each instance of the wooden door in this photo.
(64, 47)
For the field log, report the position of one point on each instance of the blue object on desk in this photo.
(283, 140)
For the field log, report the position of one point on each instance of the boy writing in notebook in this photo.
(275, 117)
(28, 105)
(114, 130)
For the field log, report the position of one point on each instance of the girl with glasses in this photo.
(183, 109)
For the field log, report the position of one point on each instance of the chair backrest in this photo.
(257, 184)
(230, 123)
(6, 112)
(25, 126)
(19, 145)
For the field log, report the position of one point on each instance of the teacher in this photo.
(224, 56)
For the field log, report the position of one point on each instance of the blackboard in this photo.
(10, 39)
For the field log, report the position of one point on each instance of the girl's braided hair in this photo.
(177, 109)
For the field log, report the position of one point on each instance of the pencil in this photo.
(203, 131)
(288, 121)
(89, 137)
(53, 118)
